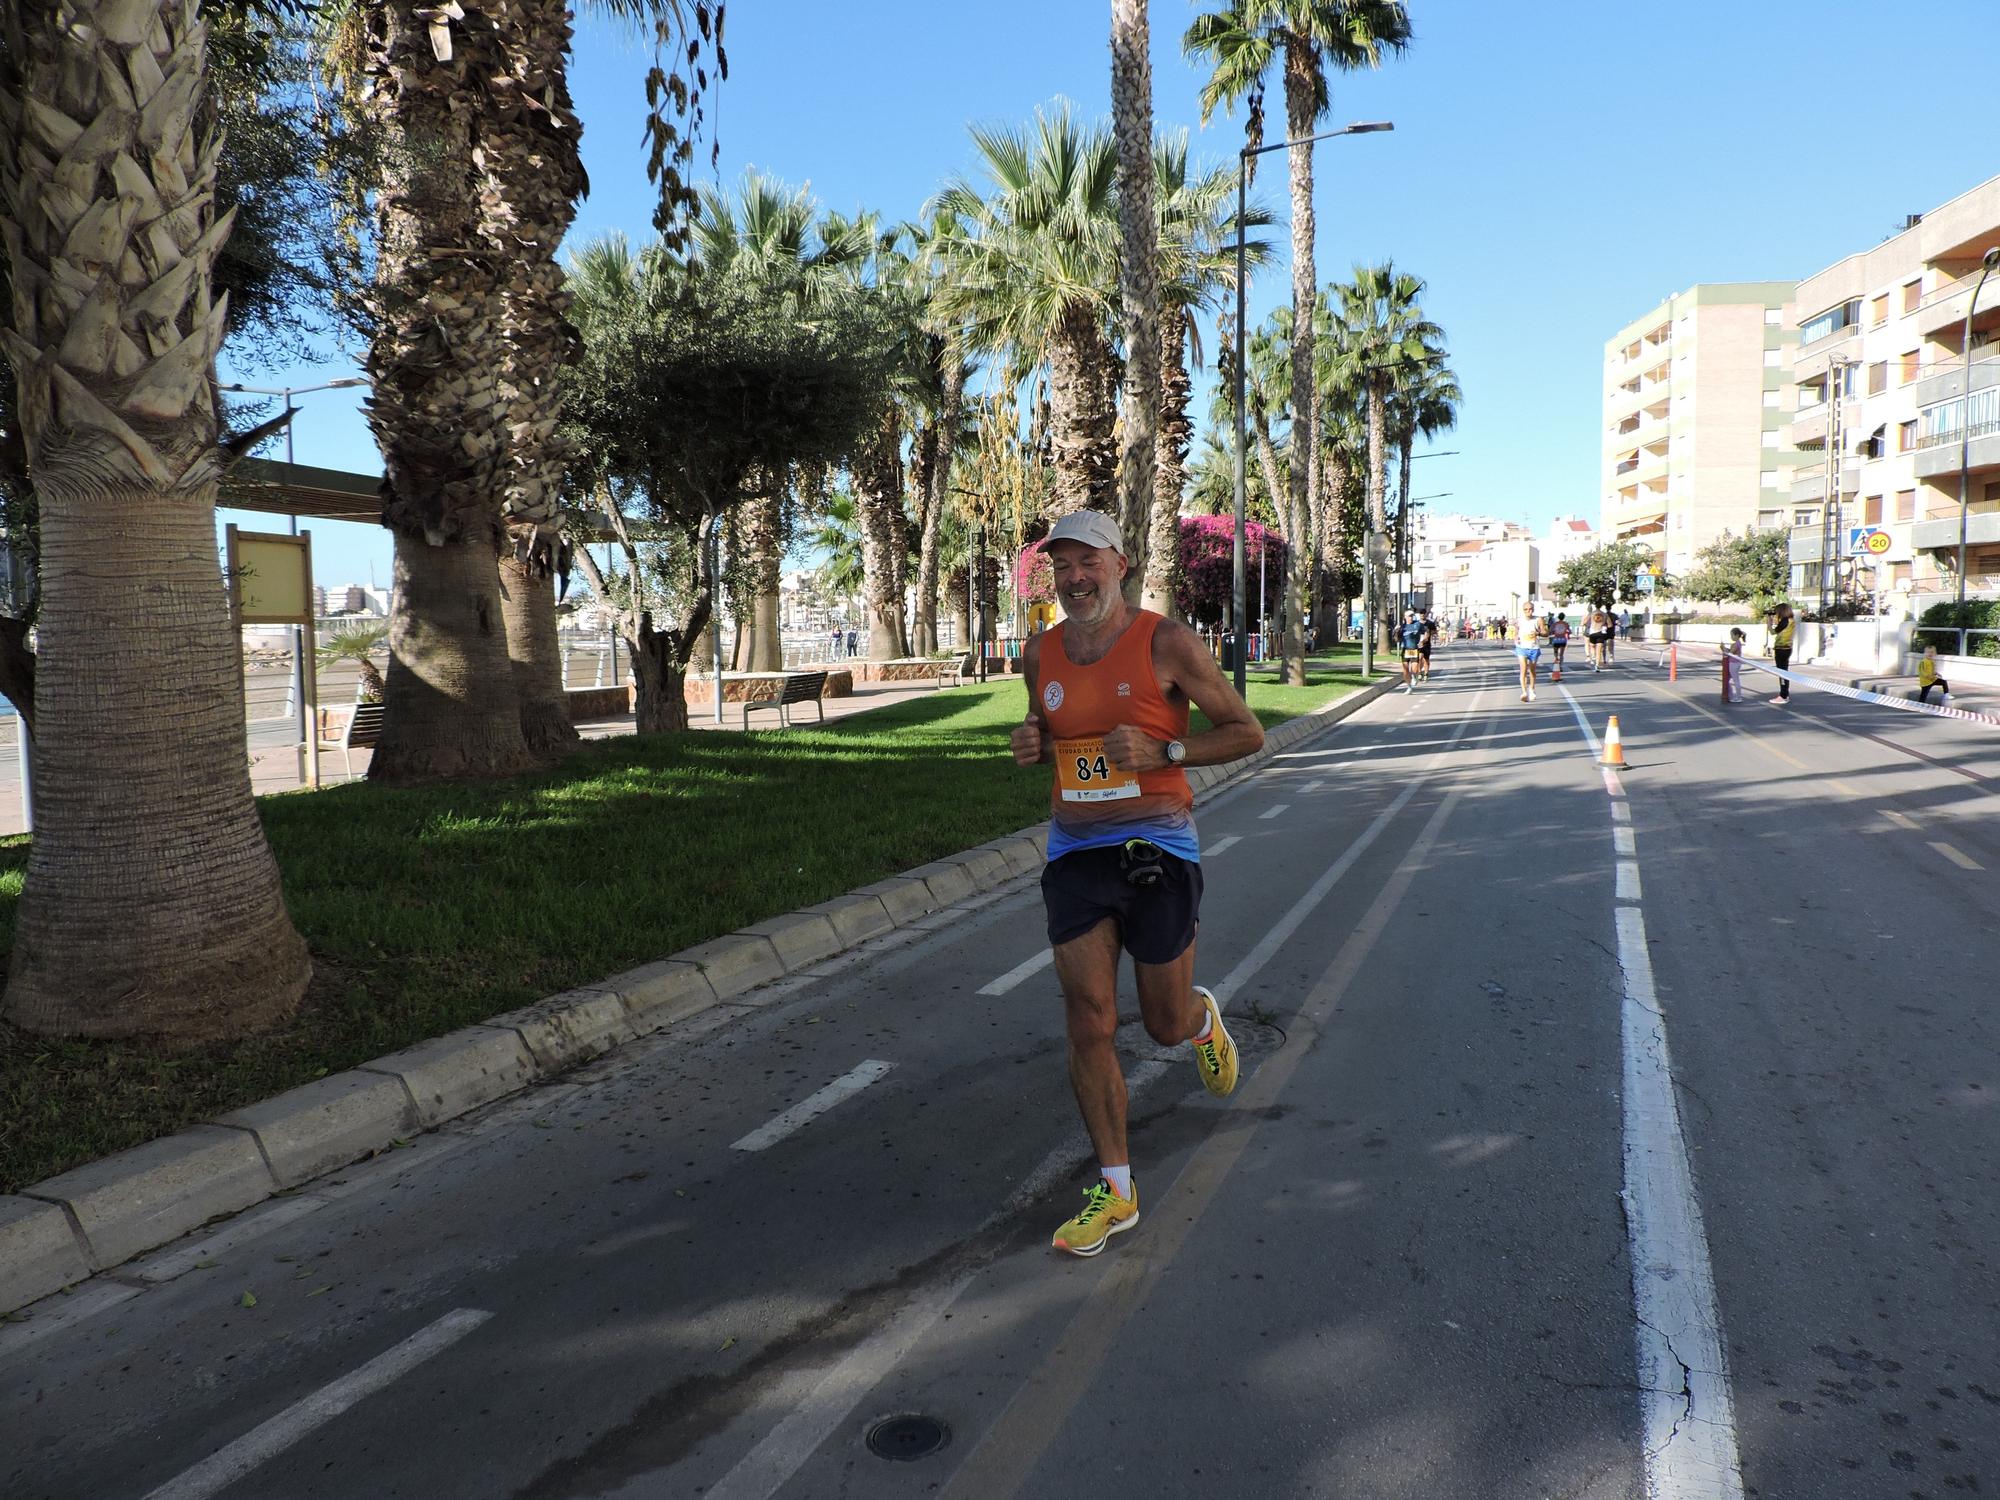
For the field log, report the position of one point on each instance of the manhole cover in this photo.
(1253, 1039)
(907, 1437)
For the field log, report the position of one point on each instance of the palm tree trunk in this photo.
(152, 903)
(1300, 115)
(1328, 606)
(1378, 621)
(878, 502)
(763, 537)
(1406, 443)
(438, 408)
(528, 609)
(531, 153)
(951, 406)
(956, 585)
(1138, 281)
(1081, 417)
(1170, 450)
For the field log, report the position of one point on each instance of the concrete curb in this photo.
(99, 1215)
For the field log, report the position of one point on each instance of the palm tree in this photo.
(1138, 283)
(1424, 405)
(947, 369)
(1242, 40)
(151, 904)
(1031, 277)
(1387, 341)
(358, 644)
(836, 537)
(1197, 247)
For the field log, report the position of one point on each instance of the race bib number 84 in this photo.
(1087, 775)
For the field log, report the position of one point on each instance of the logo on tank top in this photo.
(1052, 696)
(1124, 689)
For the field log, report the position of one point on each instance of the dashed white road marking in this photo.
(1957, 856)
(1628, 880)
(1620, 813)
(812, 1106)
(1274, 810)
(1212, 850)
(268, 1439)
(1623, 842)
(1312, 786)
(1025, 969)
(1898, 819)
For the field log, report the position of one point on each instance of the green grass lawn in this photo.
(428, 909)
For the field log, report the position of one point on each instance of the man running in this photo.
(1410, 636)
(1558, 644)
(1528, 649)
(1108, 694)
(1430, 639)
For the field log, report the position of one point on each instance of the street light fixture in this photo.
(346, 382)
(1986, 264)
(1237, 614)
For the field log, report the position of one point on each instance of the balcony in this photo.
(1805, 544)
(1811, 360)
(1941, 453)
(1944, 379)
(1944, 306)
(1809, 485)
(1982, 525)
(1809, 425)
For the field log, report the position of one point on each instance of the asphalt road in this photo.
(1400, 1261)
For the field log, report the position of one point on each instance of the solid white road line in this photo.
(1687, 1414)
(812, 1106)
(1211, 851)
(1022, 970)
(1293, 919)
(1582, 723)
(1957, 856)
(268, 1439)
(1628, 880)
(1275, 810)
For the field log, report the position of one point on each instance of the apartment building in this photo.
(1695, 431)
(1881, 375)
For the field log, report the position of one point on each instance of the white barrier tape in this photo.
(1841, 689)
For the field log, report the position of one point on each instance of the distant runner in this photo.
(1410, 636)
(1430, 640)
(1559, 643)
(1528, 649)
(1108, 694)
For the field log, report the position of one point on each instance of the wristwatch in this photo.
(1176, 752)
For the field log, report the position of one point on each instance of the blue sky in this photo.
(1549, 182)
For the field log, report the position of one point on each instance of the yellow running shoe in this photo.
(1104, 1214)
(1216, 1057)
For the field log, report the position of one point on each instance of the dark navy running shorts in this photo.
(1155, 923)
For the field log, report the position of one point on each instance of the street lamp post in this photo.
(1238, 613)
(298, 683)
(1408, 561)
(1986, 264)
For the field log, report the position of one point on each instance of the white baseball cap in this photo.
(1090, 527)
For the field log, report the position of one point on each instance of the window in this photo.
(1773, 316)
(1906, 435)
(1899, 575)
(1771, 358)
(1878, 310)
(1771, 400)
(1830, 322)
(1878, 377)
(1770, 438)
(1804, 517)
(1913, 293)
(1911, 359)
(1871, 510)
(1906, 505)
(1766, 519)
(1768, 478)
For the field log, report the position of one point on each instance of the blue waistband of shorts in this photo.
(1177, 838)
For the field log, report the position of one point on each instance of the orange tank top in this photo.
(1082, 704)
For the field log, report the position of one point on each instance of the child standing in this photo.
(1732, 667)
(1927, 678)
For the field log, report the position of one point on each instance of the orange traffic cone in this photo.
(1614, 745)
(1556, 673)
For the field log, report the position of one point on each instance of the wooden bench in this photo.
(362, 730)
(800, 687)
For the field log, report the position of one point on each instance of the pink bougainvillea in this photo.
(1208, 569)
(1034, 583)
